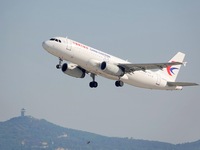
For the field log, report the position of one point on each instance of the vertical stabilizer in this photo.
(172, 71)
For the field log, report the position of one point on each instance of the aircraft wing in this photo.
(136, 67)
(181, 84)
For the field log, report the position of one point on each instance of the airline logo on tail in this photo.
(170, 70)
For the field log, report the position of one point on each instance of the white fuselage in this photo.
(90, 59)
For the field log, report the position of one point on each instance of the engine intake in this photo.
(73, 70)
(111, 69)
(103, 65)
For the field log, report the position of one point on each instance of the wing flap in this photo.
(181, 84)
(136, 67)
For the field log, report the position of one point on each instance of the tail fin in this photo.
(172, 71)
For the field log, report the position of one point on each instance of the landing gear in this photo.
(93, 84)
(119, 83)
(58, 66)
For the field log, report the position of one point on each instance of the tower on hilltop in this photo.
(23, 112)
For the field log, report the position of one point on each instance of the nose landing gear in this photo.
(58, 66)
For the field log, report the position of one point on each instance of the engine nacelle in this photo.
(111, 69)
(73, 70)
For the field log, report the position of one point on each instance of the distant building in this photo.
(23, 112)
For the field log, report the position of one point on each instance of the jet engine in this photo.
(73, 70)
(112, 69)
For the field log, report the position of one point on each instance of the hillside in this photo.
(24, 133)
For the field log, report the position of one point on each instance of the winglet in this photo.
(184, 63)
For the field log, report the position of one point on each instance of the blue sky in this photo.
(138, 31)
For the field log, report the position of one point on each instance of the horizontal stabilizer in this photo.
(181, 84)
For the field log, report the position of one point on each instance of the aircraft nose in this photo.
(44, 45)
(47, 45)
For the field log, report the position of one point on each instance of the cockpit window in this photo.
(54, 39)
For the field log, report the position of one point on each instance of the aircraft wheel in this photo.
(58, 66)
(119, 83)
(93, 84)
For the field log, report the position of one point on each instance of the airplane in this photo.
(87, 60)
